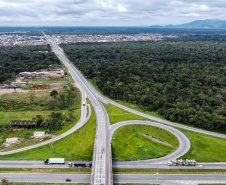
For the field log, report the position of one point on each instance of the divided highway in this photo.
(177, 179)
(101, 169)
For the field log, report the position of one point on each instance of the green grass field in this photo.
(116, 114)
(76, 146)
(43, 96)
(6, 117)
(205, 148)
(28, 142)
(130, 144)
(24, 95)
(41, 183)
(46, 79)
(25, 183)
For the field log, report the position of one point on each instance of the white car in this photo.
(200, 166)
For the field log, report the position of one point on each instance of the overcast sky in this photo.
(108, 12)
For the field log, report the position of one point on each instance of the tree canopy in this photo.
(16, 59)
(183, 81)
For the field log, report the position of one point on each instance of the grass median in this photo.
(116, 114)
(168, 171)
(115, 171)
(47, 170)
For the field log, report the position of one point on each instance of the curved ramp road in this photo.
(105, 99)
(183, 148)
(79, 124)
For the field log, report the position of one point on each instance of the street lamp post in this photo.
(157, 177)
(52, 147)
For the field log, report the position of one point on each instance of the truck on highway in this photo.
(54, 161)
(80, 165)
(84, 103)
(182, 162)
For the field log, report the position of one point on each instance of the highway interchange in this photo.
(102, 161)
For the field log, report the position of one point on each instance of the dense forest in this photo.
(15, 59)
(131, 30)
(183, 81)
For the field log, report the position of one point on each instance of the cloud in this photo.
(107, 12)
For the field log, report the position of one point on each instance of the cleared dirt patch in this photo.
(7, 91)
(156, 139)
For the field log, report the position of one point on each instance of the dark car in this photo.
(68, 180)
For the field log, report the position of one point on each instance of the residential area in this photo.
(15, 39)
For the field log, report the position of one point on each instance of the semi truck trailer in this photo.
(80, 165)
(182, 162)
(54, 161)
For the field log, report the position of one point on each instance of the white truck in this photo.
(182, 162)
(54, 161)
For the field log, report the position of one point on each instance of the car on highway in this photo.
(200, 166)
(68, 180)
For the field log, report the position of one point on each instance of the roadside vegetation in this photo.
(46, 170)
(115, 171)
(76, 146)
(137, 108)
(26, 183)
(116, 114)
(205, 148)
(130, 143)
(167, 171)
(62, 79)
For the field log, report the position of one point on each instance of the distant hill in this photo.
(198, 24)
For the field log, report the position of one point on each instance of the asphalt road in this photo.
(119, 178)
(101, 169)
(144, 164)
(183, 148)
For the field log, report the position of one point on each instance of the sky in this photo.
(108, 12)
